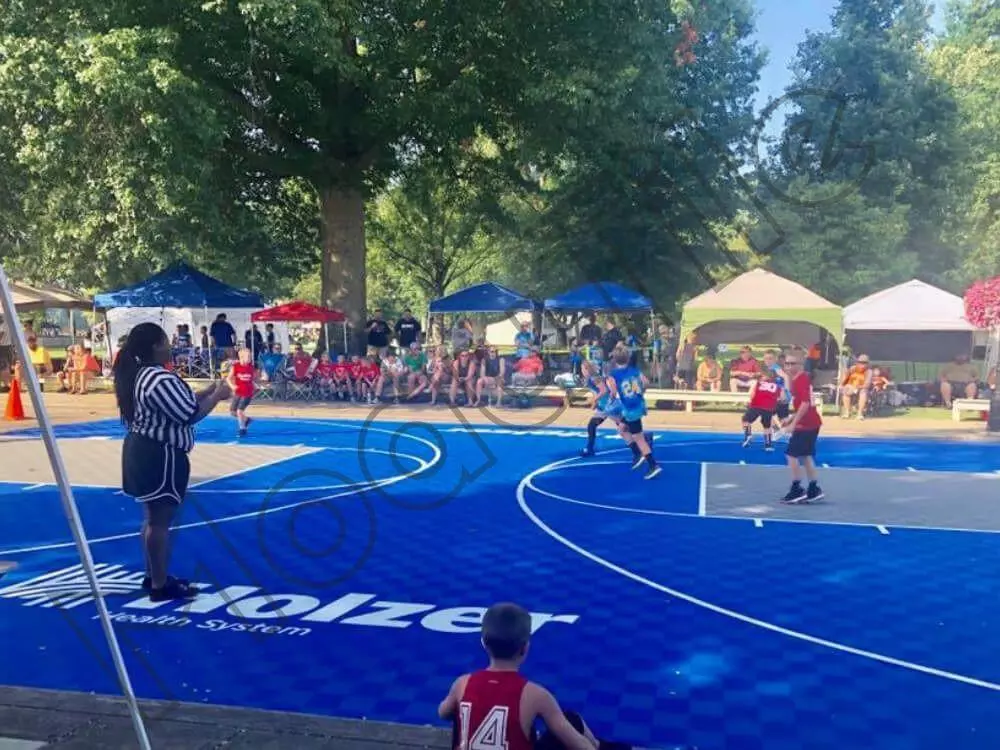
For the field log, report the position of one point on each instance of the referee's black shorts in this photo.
(153, 472)
(802, 443)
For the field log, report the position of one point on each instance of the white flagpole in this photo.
(69, 505)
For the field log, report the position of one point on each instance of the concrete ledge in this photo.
(79, 720)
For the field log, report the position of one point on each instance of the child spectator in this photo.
(324, 373)
(441, 369)
(342, 384)
(499, 702)
(368, 375)
(393, 371)
(415, 362)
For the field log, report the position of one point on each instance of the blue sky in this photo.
(781, 25)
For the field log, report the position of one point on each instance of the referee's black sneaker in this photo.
(795, 495)
(814, 492)
(147, 582)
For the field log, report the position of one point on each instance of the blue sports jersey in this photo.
(630, 391)
(601, 402)
(775, 368)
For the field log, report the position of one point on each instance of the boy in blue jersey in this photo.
(628, 385)
(773, 365)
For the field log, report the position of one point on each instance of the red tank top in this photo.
(765, 396)
(243, 375)
(489, 713)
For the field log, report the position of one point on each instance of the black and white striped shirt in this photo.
(164, 408)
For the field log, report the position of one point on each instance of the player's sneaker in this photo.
(769, 448)
(747, 440)
(638, 462)
(795, 495)
(587, 453)
(814, 493)
(654, 472)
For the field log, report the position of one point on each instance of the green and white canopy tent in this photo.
(762, 307)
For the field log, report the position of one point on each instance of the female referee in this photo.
(158, 409)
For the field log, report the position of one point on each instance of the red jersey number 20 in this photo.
(490, 735)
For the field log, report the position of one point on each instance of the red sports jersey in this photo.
(300, 366)
(355, 369)
(243, 378)
(489, 713)
(341, 370)
(765, 396)
(370, 371)
(325, 370)
(802, 394)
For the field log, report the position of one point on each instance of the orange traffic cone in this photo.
(15, 409)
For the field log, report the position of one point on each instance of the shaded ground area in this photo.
(48, 719)
(923, 499)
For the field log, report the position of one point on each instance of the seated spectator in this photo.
(813, 357)
(463, 373)
(392, 371)
(880, 379)
(491, 376)
(415, 362)
(301, 365)
(528, 370)
(441, 370)
(524, 339)
(477, 701)
(961, 376)
(343, 386)
(743, 371)
(324, 373)
(857, 382)
(85, 368)
(709, 375)
(41, 360)
(65, 375)
(369, 373)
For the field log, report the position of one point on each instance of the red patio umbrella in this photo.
(301, 312)
(298, 312)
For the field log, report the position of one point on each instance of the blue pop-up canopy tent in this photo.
(178, 295)
(484, 298)
(179, 286)
(603, 296)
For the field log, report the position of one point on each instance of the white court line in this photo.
(910, 468)
(826, 466)
(883, 530)
(702, 489)
(424, 466)
(722, 610)
(759, 523)
(255, 467)
(721, 516)
(37, 486)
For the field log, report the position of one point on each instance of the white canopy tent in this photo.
(910, 322)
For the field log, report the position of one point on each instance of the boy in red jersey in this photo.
(368, 375)
(241, 376)
(804, 425)
(497, 706)
(764, 394)
(324, 373)
(354, 367)
(342, 379)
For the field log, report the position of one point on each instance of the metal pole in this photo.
(69, 507)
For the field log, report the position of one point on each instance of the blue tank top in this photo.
(629, 382)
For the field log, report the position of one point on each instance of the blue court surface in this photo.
(347, 578)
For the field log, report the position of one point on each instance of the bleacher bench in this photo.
(959, 405)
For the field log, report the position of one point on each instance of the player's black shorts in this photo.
(239, 403)
(152, 471)
(634, 427)
(751, 415)
(782, 410)
(802, 443)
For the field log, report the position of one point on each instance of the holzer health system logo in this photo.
(247, 609)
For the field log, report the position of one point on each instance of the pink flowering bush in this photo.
(982, 303)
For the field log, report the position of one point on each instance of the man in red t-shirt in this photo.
(241, 376)
(764, 394)
(497, 706)
(804, 425)
(743, 371)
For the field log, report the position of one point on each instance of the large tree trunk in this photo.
(342, 211)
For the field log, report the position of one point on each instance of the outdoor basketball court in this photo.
(346, 565)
